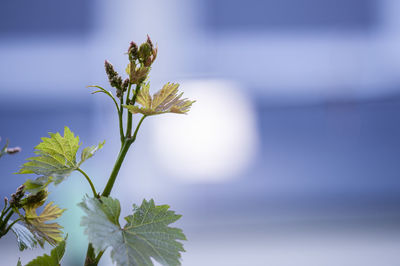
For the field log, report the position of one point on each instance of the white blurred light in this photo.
(215, 141)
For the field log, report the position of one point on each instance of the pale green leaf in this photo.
(55, 160)
(54, 259)
(25, 239)
(39, 184)
(41, 225)
(88, 152)
(19, 262)
(166, 100)
(145, 235)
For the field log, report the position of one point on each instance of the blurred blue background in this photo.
(291, 155)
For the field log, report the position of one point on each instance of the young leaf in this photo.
(88, 152)
(55, 160)
(146, 234)
(25, 238)
(38, 184)
(38, 224)
(165, 100)
(54, 259)
(4, 149)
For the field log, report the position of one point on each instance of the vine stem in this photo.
(11, 225)
(117, 166)
(126, 141)
(137, 129)
(90, 182)
(121, 126)
(5, 206)
(4, 223)
(4, 212)
(129, 126)
(91, 259)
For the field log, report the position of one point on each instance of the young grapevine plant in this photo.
(146, 234)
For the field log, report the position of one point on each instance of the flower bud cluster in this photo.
(13, 150)
(17, 196)
(114, 78)
(35, 199)
(140, 60)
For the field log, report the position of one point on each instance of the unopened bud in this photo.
(149, 42)
(116, 82)
(37, 198)
(148, 61)
(113, 77)
(20, 188)
(132, 51)
(144, 52)
(13, 150)
(154, 54)
(125, 85)
(119, 93)
(109, 68)
(17, 196)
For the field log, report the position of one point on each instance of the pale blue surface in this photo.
(323, 78)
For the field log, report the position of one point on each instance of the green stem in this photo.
(126, 142)
(5, 206)
(129, 127)
(117, 167)
(90, 256)
(128, 94)
(11, 225)
(90, 182)
(137, 129)
(91, 259)
(136, 93)
(99, 256)
(121, 156)
(121, 126)
(4, 212)
(4, 222)
(121, 113)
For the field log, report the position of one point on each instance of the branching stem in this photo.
(90, 182)
(117, 166)
(11, 225)
(137, 129)
(4, 222)
(131, 101)
(4, 212)
(121, 126)
(5, 206)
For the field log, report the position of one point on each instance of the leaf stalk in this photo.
(90, 182)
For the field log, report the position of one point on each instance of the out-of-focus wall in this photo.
(289, 154)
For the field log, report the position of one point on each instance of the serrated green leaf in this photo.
(25, 239)
(145, 235)
(55, 160)
(54, 259)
